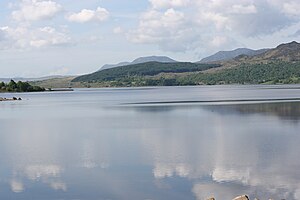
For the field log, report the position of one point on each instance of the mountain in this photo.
(280, 65)
(228, 55)
(288, 52)
(161, 59)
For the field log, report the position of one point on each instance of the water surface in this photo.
(152, 143)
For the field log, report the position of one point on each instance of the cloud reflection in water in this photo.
(221, 151)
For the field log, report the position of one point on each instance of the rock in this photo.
(15, 98)
(243, 197)
(20, 99)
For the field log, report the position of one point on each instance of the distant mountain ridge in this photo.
(284, 52)
(228, 55)
(288, 52)
(161, 59)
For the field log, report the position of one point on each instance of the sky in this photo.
(71, 37)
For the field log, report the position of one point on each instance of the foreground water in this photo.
(152, 143)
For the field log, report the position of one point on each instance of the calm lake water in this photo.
(152, 143)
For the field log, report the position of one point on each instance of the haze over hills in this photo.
(161, 59)
(228, 55)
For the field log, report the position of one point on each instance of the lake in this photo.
(152, 143)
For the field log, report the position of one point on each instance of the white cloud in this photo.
(207, 19)
(187, 25)
(241, 9)
(24, 37)
(291, 8)
(85, 15)
(157, 4)
(33, 10)
(157, 27)
(175, 30)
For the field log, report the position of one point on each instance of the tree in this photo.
(12, 85)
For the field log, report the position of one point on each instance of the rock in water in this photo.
(243, 197)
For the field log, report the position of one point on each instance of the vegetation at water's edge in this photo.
(270, 73)
(20, 86)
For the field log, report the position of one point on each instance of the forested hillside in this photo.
(143, 69)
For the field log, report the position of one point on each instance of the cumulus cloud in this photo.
(182, 25)
(33, 10)
(164, 28)
(24, 37)
(85, 15)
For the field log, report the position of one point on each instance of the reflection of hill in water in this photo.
(153, 108)
(289, 110)
(284, 110)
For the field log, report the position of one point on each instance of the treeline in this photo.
(143, 69)
(271, 73)
(20, 86)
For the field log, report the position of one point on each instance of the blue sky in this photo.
(49, 37)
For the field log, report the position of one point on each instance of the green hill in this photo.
(143, 69)
(271, 73)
